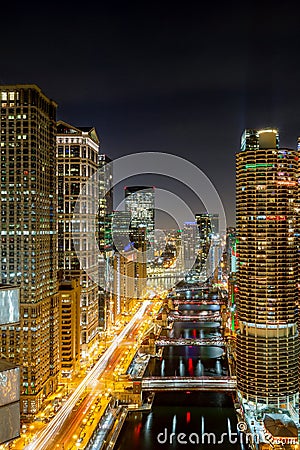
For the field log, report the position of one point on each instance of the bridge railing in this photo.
(209, 341)
(202, 378)
(173, 383)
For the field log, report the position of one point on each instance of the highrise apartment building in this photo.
(267, 339)
(77, 162)
(28, 236)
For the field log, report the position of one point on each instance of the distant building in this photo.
(121, 230)
(231, 268)
(213, 264)
(209, 248)
(190, 243)
(124, 281)
(138, 238)
(129, 263)
(204, 223)
(231, 251)
(140, 203)
(104, 238)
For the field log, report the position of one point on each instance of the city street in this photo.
(75, 421)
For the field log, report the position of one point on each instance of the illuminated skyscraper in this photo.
(190, 244)
(267, 340)
(140, 203)
(104, 238)
(77, 162)
(129, 262)
(28, 237)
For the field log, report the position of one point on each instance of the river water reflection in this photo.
(207, 419)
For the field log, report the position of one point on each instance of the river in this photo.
(191, 419)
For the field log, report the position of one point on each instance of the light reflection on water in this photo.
(191, 413)
(185, 412)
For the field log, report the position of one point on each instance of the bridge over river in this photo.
(164, 341)
(215, 317)
(216, 384)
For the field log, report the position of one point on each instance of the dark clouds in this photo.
(185, 77)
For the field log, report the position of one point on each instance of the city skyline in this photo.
(182, 79)
(55, 209)
(150, 253)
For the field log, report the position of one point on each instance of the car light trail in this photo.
(44, 437)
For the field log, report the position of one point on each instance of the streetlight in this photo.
(31, 428)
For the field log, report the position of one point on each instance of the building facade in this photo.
(69, 327)
(190, 243)
(129, 262)
(140, 203)
(77, 162)
(104, 238)
(123, 282)
(9, 373)
(28, 236)
(205, 231)
(267, 339)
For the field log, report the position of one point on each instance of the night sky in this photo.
(181, 77)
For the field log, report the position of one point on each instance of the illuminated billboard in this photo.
(9, 305)
(9, 422)
(9, 383)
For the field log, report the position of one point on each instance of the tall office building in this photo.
(77, 161)
(104, 238)
(120, 229)
(28, 236)
(124, 282)
(213, 263)
(204, 223)
(69, 327)
(130, 275)
(231, 250)
(140, 203)
(131, 245)
(190, 242)
(267, 340)
(106, 196)
(210, 249)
